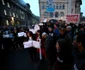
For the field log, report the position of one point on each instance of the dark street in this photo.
(20, 60)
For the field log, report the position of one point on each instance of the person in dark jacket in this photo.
(50, 50)
(52, 34)
(66, 36)
(64, 59)
(68, 30)
(79, 52)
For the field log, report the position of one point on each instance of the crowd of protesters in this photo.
(63, 45)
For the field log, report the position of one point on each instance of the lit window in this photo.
(13, 14)
(7, 22)
(3, 2)
(8, 4)
(5, 12)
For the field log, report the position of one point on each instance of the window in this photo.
(60, 6)
(61, 14)
(3, 2)
(43, 6)
(7, 22)
(51, 14)
(22, 12)
(17, 16)
(5, 12)
(23, 17)
(45, 13)
(13, 14)
(63, 6)
(56, 14)
(8, 5)
(10, 13)
(54, 6)
(57, 6)
(46, 6)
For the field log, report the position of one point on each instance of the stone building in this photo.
(61, 9)
(15, 12)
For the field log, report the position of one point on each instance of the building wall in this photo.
(69, 8)
(13, 12)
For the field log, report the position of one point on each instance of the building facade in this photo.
(15, 12)
(61, 9)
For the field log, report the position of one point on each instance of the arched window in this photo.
(45, 13)
(56, 14)
(61, 14)
(51, 14)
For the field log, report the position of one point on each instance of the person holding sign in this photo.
(32, 50)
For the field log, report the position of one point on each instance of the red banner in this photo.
(72, 18)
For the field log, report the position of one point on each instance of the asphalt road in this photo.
(20, 60)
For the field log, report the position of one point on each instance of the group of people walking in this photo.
(63, 45)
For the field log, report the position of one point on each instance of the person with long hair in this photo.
(64, 59)
(32, 50)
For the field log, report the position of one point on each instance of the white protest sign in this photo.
(36, 27)
(27, 44)
(20, 34)
(36, 44)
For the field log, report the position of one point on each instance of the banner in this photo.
(74, 18)
(20, 34)
(31, 43)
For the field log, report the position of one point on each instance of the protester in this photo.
(79, 52)
(64, 59)
(56, 30)
(68, 30)
(50, 50)
(32, 50)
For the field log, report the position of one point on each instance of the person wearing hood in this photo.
(79, 53)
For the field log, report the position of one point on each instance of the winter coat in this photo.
(79, 60)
